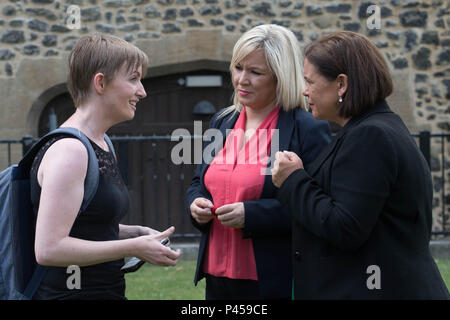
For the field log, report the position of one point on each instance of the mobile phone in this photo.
(165, 241)
(132, 265)
(135, 263)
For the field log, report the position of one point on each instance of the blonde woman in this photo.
(104, 80)
(245, 250)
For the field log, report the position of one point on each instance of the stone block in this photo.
(401, 100)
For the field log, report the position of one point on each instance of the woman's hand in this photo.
(126, 231)
(150, 249)
(286, 162)
(201, 210)
(232, 215)
(143, 231)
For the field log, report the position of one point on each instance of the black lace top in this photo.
(99, 222)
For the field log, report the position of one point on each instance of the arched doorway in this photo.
(157, 186)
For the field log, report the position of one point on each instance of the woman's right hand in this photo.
(201, 210)
(285, 163)
(150, 249)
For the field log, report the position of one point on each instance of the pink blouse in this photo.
(235, 175)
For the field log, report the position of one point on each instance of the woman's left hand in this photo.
(232, 215)
(127, 232)
(145, 231)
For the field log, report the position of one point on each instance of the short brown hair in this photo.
(357, 57)
(100, 53)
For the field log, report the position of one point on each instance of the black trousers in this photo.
(219, 288)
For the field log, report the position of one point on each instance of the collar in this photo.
(379, 107)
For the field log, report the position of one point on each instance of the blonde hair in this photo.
(100, 53)
(284, 59)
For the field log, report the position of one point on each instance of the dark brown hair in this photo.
(357, 57)
(100, 53)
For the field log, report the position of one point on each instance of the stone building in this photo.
(188, 38)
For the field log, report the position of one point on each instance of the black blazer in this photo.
(266, 221)
(366, 201)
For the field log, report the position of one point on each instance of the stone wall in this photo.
(36, 36)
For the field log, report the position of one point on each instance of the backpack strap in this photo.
(90, 185)
(91, 181)
(110, 145)
(36, 279)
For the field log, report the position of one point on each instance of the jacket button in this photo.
(297, 255)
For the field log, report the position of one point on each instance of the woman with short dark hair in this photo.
(368, 79)
(362, 211)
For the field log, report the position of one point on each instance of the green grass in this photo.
(176, 283)
(165, 283)
(444, 268)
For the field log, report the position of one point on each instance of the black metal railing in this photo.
(425, 140)
(26, 142)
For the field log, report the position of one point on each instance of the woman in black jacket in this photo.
(245, 251)
(362, 212)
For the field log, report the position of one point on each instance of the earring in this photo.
(340, 99)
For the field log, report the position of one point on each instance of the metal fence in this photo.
(425, 139)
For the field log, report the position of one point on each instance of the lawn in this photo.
(165, 283)
(444, 268)
(176, 283)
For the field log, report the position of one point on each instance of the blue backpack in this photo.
(20, 275)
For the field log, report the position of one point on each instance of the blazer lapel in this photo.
(326, 152)
(286, 121)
